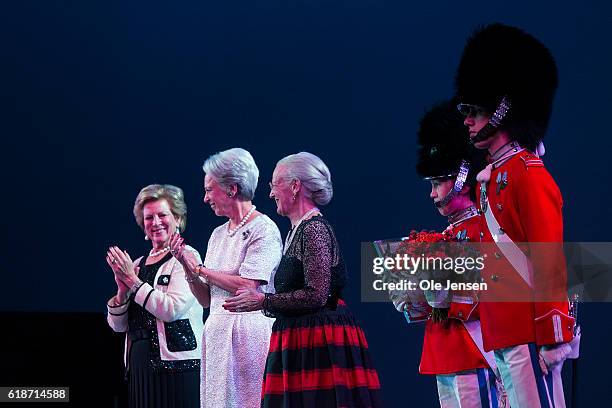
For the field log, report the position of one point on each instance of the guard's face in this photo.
(475, 122)
(439, 190)
(476, 117)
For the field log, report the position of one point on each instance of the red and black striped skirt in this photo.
(321, 360)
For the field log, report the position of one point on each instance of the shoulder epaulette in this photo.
(532, 160)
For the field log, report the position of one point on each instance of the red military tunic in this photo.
(527, 203)
(448, 348)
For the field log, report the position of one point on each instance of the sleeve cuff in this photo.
(554, 327)
(265, 307)
(142, 294)
(414, 317)
(117, 310)
(462, 311)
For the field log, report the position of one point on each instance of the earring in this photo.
(146, 237)
(294, 196)
(229, 194)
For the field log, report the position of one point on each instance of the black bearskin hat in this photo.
(444, 142)
(499, 60)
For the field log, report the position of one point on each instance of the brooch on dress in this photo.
(245, 234)
(163, 280)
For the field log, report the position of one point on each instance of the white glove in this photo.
(575, 344)
(437, 298)
(552, 356)
(399, 300)
(414, 310)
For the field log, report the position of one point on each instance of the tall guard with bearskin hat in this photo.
(506, 82)
(452, 346)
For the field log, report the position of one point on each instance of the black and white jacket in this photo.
(178, 314)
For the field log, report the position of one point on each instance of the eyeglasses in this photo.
(468, 110)
(274, 185)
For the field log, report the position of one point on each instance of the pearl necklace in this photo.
(161, 251)
(232, 232)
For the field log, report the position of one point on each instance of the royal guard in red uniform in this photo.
(452, 347)
(506, 83)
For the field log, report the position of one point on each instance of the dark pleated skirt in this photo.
(320, 360)
(163, 389)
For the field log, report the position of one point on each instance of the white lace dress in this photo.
(235, 345)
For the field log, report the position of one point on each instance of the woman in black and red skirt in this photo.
(318, 353)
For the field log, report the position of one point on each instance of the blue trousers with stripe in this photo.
(467, 389)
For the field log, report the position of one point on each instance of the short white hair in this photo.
(312, 173)
(234, 166)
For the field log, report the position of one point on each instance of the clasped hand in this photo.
(123, 267)
(245, 300)
(187, 258)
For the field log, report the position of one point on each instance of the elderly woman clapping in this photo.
(156, 309)
(242, 253)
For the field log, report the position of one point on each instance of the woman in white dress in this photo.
(244, 252)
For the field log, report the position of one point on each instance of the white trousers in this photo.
(526, 385)
(467, 389)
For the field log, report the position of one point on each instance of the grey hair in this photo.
(172, 194)
(312, 173)
(234, 166)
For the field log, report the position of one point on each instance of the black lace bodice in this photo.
(311, 274)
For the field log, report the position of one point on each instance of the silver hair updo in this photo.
(234, 166)
(313, 174)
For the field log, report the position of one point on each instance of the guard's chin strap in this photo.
(494, 122)
(464, 169)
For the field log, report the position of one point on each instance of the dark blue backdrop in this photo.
(102, 98)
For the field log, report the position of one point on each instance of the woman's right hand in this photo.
(187, 258)
(123, 292)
